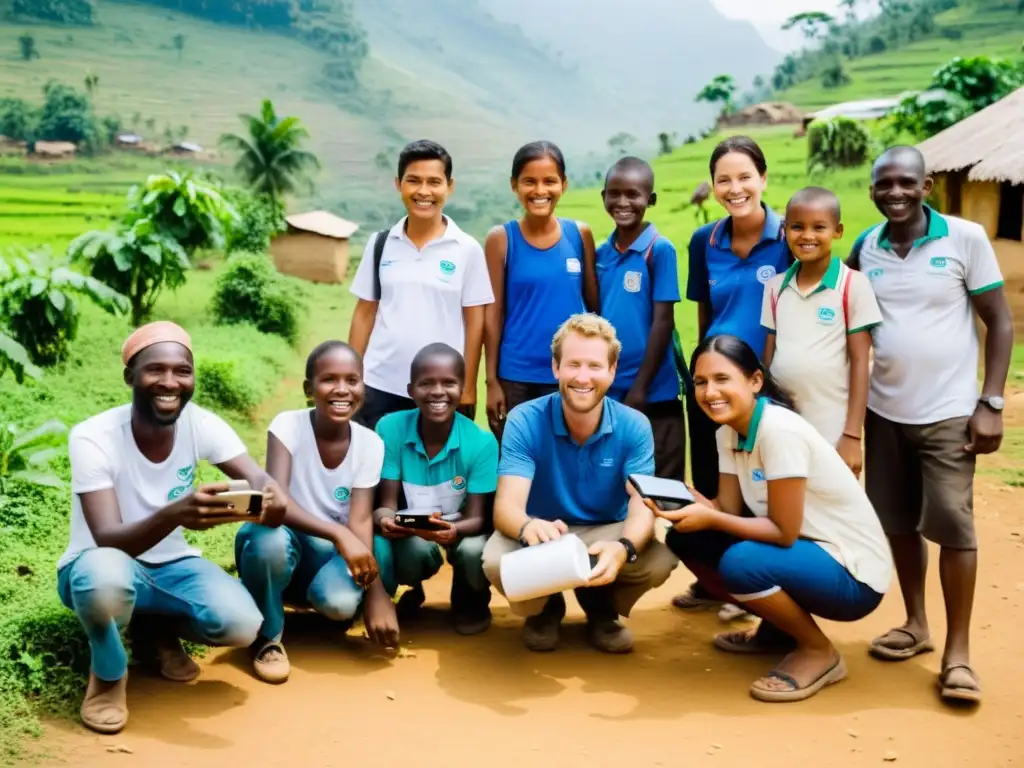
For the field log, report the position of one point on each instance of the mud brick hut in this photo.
(315, 247)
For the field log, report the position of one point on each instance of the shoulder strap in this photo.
(846, 295)
(380, 240)
(775, 304)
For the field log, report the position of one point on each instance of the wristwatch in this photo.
(993, 401)
(631, 554)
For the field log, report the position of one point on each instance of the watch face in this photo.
(994, 402)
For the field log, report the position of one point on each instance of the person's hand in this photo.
(611, 556)
(695, 517)
(985, 429)
(275, 504)
(539, 531)
(380, 619)
(495, 406)
(636, 397)
(850, 452)
(357, 557)
(392, 530)
(700, 498)
(203, 509)
(468, 410)
(443, 532)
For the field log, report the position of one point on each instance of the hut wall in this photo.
(310, 257)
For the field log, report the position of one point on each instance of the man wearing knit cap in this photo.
(133, 478)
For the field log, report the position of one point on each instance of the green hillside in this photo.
(986, 28)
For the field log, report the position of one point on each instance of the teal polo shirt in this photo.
(468, 463)
(577, 484)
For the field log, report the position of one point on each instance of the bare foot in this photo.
(105, 708)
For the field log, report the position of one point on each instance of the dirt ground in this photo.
(451, 701)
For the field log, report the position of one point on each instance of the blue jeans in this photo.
(741, 571)
(105, 587)
(275, 562)
(413, 560)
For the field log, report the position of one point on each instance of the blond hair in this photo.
(589, 326)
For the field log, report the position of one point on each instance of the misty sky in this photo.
(768, 16)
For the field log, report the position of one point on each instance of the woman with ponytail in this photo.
(791, 534)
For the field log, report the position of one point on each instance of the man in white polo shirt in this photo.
(926, 422)
(431, 285)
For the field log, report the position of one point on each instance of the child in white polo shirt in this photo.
(819, 314)
(423, 281)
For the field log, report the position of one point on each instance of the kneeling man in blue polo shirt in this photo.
(564, 462)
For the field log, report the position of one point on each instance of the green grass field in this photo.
(986, 30)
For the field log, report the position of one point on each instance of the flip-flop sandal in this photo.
(745, 642)
(835, 674)
(882, 651)
(958, 692)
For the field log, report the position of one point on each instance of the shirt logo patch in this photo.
(765, 273)
(447, 268)
(458, 483)
(342, 494)
(607, 462)
(177, 493)
(186, 474)
(938, 262)
(387, 263)
(874, 274)
(631, 282)
(826, 315)
(758, 475)
(573, 266)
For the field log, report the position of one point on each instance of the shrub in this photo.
(837, 143)
(877, 44)
(260, 217)
(67, 115)
(223, 383)
(834, 75)
(79, 12)
(17, 119)
(25, 456)
(250, 290)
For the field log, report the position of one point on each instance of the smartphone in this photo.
(416, 518)
(667, 494)
(251, 501)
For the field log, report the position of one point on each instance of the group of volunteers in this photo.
(806, 369)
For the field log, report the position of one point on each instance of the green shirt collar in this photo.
(747, 443)
(938, 228)
(829, 280)
(413, 438)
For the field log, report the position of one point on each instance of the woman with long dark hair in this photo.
(791, 533)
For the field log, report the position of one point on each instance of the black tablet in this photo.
(416, 518)
(662, 490)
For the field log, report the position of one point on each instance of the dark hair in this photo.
(322, 349)
(424, 149)
(817, 196)
(537, 150)
(635, 165)
(743, 357)
(745, 146)
(437, 350)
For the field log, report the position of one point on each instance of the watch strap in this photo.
(631, 553)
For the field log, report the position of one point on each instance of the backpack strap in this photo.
(380, 240)
(848, 273)
(775, 304)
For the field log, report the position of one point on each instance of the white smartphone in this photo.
(668, 494)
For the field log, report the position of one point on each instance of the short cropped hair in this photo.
(424, 149)
(589, 326)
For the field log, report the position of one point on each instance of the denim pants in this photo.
(275, 563)
(105, 587)
(413, 560)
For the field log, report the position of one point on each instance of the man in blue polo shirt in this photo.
(639, 286)
(564, 463)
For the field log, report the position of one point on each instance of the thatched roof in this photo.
(323, 223)
(989, 142)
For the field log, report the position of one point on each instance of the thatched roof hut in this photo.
(315, 247)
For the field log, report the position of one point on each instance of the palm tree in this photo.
(271, 158)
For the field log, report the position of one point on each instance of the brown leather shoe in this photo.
(174, 663)
(105, 708)
(609, 636)
(541, 632)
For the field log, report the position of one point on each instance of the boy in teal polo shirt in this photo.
(639, 286)
(441, 460)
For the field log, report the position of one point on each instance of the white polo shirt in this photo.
(837, 514)
(811, 329)
(926, 349)
(104, 454)
(322, 492)
(422, 297)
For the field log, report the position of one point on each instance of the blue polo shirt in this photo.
(734, 287)
(577, 484)
(630, 284)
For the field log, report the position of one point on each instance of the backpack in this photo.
(845, 291)
(380, 240)
(682, 369)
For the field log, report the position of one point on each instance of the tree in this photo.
(27, 46)
(894, 13)
(719, 91)
(38, 306)
(813, 24)
(136, 121)
(66, 115)
(622, 142)
(92, 84)
(665, 143)
(179, 44)
(981, 80)
(834, 75)
(271, 158)
(17, 119)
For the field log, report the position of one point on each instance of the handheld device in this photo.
(416, 518)
(242, 497)
(667, 494)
